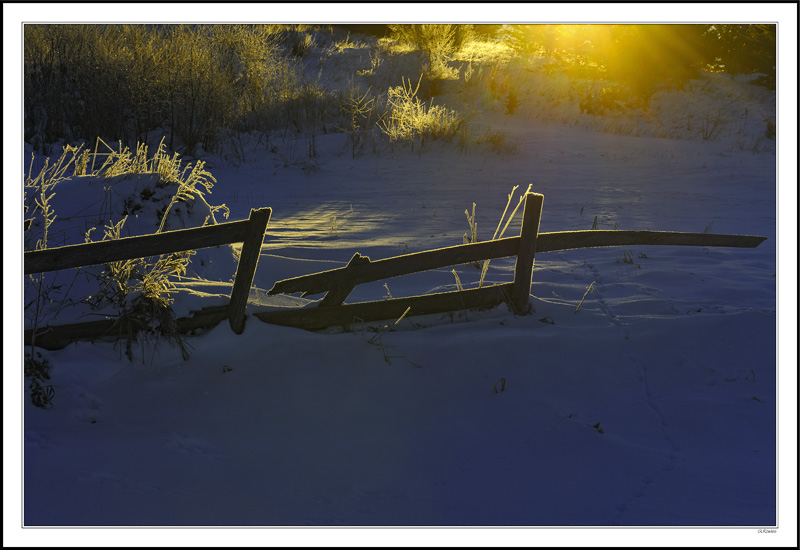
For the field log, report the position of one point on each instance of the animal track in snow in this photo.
(372, 493)
(601, 302)
(121, 483)
(117, 482)
(192, 446)
(35, 439)
(672, 454)
(89, 411)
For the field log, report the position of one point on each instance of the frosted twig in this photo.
(585, 294)
(486, 263)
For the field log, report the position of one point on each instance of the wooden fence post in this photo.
(246, 271)
(336, 296)
(523, 270)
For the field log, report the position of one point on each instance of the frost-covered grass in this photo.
(121, 185)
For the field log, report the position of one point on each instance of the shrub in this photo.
(36, 369)
(744, 49)
(301, 44)
(357, 108)
(141, 291)
(770, 127)
(530, 38)
(606, 98)
(43, 216)
(512, 101)
(409, 119)
(438, 42)
(497, 141)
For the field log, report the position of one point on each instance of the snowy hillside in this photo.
(642, 390)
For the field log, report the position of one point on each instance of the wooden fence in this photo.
(250, 232)
(337, 284)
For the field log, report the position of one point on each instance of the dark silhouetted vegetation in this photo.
(120, 82)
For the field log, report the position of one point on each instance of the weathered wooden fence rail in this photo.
(337, 284)
(250, 232)
(566, 240)
(347, 314)
(127, 248)
(58, 336)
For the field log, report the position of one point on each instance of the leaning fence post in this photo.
(523, 270)
(246, 271)
(338, 295)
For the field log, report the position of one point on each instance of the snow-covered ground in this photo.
(656, 404)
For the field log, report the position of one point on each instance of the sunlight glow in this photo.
(638, 55)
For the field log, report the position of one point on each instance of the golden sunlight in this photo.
(635, 55)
